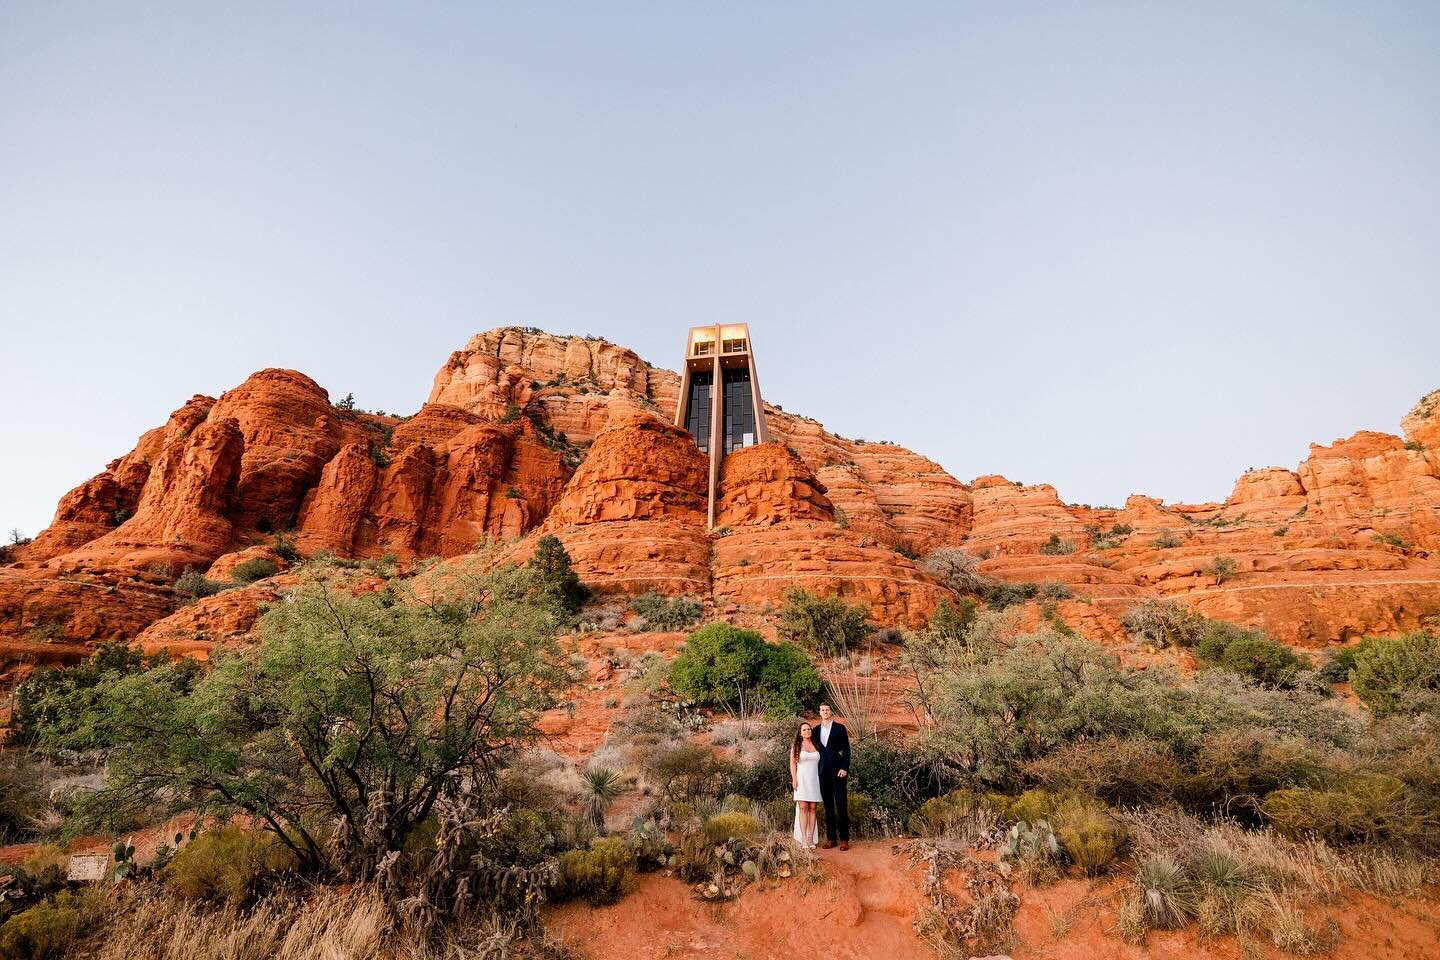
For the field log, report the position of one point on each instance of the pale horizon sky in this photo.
(1115, 247)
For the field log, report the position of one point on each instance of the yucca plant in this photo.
(602, 788)
(1166, 892)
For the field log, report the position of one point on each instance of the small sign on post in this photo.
(88, 867)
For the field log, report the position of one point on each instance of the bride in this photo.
(805, 780)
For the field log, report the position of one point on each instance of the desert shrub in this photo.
(1055, 547)
(1166, 540)
(666, 613)
(225, 865)
(193, 585)
(1090, 835)
(1250, 654)
(256, 568)
(825, 625)
(956, 569)
(688, 771)
(523, 836)
(936, 815)
(1000, 595)
(286, 550)
(1031, 806)
(1164, 623)
(722, 666)
(1222, 569)
(1237, 768)
(894, 775)
(1392, 675)
(46, 930)
(730, 824)
(769, 776)
(24, 799)
(602, 874)
(1360, 807)
(1124, 771)
(558, 581)
(950, 622)
(1044, 691)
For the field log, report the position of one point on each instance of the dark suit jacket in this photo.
(835, 755)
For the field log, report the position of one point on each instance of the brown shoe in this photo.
(827, 845)
(844, 845)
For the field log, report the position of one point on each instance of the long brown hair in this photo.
(795, 747)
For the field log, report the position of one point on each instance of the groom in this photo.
(834, 744)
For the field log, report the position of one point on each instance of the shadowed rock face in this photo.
(1346, 544)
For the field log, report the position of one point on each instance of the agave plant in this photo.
(602, 788)
(1166, 892)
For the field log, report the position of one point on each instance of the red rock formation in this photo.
(1348, 543)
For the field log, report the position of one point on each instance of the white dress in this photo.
(807, 789)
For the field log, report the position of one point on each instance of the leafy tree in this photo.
(52, 694)
(826, 625)
(724, 666)
(558, 580)
(1395, 674)
(354, 715)
(347, 404)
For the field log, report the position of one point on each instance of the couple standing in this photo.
(819, 771)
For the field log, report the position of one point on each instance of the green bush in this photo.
(1250, 654)
(1090, 835)
(999, 595)
(722, 666)
(1361, 807)
(44, 931)
(733, 823)
(1391, 675)
(225, 865)
(602, 874)
(894, 775)
(825, 625)
(666, 613)
(256, 568)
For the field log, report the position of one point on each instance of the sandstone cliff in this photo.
(526, 433)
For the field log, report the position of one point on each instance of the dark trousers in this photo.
(837, 813)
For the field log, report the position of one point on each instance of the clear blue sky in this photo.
(1116, 247)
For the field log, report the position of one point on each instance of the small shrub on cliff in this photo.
(825, 625)
(956, 569)
(1164, 623)
(1397, 674)
(722, 666)
(1090, 835)
(1166, 540)
(256, 568)
(1055, 547)
(666, 613)
(1222, 569)
(193, 585)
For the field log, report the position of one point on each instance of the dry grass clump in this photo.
(328, 924)
(1228, 880)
